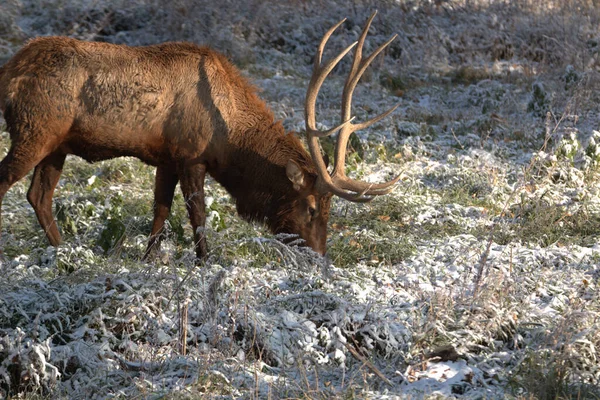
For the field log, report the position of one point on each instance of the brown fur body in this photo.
(177, 106)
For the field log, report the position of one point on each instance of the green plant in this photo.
(114, 229)
(571, 77)
(539, 104)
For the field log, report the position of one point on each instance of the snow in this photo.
(269, 320)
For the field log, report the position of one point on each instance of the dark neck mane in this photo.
(255, 172)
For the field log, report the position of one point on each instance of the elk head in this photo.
(308, 213)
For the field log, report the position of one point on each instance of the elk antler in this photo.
(338, 183)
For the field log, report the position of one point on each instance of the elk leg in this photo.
(43, 183)
(17, 163)
(164, 190)
(192, 186)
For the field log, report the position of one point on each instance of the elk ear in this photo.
(295, 174)
(326, 159)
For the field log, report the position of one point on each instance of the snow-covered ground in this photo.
(477, 277)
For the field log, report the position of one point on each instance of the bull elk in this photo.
(186, 110)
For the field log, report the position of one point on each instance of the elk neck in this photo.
(255, 171)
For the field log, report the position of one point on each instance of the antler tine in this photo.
(353, 79)
(368, 189)
(324, 40)
(366, 124)
(317, 79)
(329, 132)
(366, 193)
(347, 95)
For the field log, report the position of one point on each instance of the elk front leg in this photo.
(192, 186)
(45, 177)
(164, 190)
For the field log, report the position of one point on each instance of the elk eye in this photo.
(312, 211)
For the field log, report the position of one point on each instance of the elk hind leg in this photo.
(21, 159)
(43, 183)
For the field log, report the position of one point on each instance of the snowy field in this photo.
(476, 278)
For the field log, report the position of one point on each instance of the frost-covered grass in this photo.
(477, 277)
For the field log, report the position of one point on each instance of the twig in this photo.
(138, 366)
(483, 259)
(366, 362)
(457, 141)
(183, 322)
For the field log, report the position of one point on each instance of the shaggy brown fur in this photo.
(180, 107)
